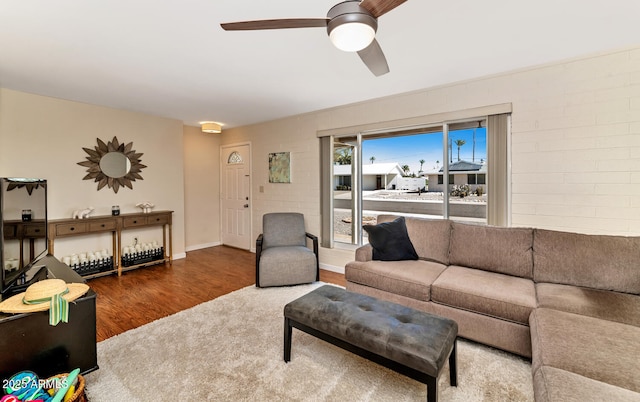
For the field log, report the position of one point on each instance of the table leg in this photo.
(116, 252)
(170, 246)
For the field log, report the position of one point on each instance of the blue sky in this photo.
(408, 150)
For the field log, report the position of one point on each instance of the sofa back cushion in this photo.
(491, 248)
(592, 261)
(430, 237)
(283, 229)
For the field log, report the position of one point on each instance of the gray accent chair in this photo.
(282, 255)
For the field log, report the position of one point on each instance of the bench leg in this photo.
(432, 389)
(287, 340)
(432, 383)
(453, 369)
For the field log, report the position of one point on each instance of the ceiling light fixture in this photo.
(211, 127)
(351, 27)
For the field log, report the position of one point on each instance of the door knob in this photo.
(246, 205)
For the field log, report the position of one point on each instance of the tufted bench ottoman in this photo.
(408, 341)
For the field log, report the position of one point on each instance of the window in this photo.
(234, 159)
(344, 183)
(402, 171)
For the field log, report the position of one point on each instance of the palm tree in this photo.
(460, 143)
(342, 156)
(373, 158)
(421, 163)
(405, 169)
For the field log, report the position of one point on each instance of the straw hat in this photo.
(42, 295)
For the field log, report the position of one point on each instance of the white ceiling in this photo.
(171, 58)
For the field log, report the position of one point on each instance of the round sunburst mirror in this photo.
(113, 164)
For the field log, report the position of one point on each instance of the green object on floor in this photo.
(69, 381)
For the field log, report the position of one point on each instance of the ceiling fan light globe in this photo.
(352, 36)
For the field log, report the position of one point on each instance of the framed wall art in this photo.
(280, 167)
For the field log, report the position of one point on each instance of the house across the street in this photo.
(460, 172)
(375, 176)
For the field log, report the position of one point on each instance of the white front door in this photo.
(235, 196)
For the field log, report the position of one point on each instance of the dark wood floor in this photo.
(147, 294)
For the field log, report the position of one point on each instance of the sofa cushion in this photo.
(412, 279)
(592, 261)
(555, 385)
(430, 237)
(491, 248)
(602, 350)
(604, 304)
(282, 266)
(497, 295)
(390, 241)
(511, 336)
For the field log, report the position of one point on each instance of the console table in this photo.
(21, 231)
(115, 225)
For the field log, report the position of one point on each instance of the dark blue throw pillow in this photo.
(390, 241)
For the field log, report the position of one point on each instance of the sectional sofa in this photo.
(568, 301)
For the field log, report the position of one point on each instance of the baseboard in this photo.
(179, 256)
(332, 268)
(201, 246)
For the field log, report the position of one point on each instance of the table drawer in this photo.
(70, 228)
(131, 222)
(37, 230)
(109, 225)
(158, 220)
(9, 231)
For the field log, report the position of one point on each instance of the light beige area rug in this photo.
(230, 349)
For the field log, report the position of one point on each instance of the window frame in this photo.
(498, 122)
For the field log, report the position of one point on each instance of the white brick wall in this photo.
(586, 143)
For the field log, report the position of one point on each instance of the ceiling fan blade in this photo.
(374, 59)
(380, 7)
(275, 24)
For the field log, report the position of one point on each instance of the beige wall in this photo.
(44, 137)
(202, 188)
(296, 135)
(575, 144)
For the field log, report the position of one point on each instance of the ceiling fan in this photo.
(351, 26)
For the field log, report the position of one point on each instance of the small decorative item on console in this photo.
(26, 215)
(82, 213)
(145, 206)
